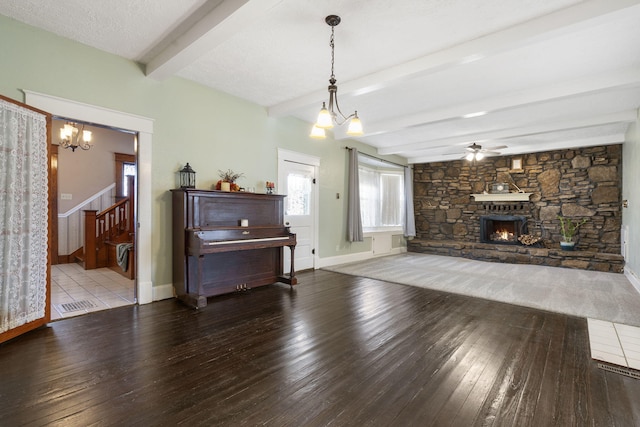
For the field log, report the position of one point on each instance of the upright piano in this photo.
(214, 253)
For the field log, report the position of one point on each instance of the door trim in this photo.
(306, 159)
(144, 127)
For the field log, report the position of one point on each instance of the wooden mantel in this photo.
(502, 197)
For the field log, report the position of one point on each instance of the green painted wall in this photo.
(208, 128)
(630, 192)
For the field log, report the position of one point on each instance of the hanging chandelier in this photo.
(70, 137)
(332, 114)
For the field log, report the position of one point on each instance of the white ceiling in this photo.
(550, 74)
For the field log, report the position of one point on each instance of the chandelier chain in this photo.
(331, 43)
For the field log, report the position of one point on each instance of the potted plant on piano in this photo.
(227, 180)
(568, 230)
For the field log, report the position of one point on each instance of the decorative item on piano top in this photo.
(187, 177)
(227, 180)
(270, 187)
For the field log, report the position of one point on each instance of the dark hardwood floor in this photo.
(336, 350)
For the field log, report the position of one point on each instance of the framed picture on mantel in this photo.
(516, 164)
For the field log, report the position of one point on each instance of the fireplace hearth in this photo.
(502, 229)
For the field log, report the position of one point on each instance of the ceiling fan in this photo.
(476, 152)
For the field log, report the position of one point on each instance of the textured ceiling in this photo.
(550, 74)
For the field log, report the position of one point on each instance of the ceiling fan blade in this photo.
(496, 147)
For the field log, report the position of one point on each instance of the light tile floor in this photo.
(103, 288)
(615, 343)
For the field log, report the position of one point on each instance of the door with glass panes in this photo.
(297, 181)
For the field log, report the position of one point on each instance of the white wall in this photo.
(631, 193)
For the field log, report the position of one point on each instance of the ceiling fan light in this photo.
(479, 156)
(325, 121)
(469, 156)
(355, 126)
(317, 133)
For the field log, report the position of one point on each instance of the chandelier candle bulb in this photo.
(317, 133)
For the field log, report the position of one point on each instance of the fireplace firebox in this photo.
(502, 229)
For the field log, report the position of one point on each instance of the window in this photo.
(381, 194)
(129, 171)
(125, 167)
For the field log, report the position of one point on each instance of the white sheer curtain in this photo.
(392, 196)
(23, 215)
(381, 198)
(369, 197)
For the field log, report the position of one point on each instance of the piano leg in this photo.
(291, 279)
(194, 300)
(195, 297)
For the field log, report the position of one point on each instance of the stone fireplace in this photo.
(575, 183)
(502, 229)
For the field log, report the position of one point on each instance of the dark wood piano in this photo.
(213, 254)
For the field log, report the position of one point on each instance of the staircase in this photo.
(105, 231)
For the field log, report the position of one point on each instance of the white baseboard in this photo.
(145, 292)
(359, 256)
(632, 276)
(163, 292)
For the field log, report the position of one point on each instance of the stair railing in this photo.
(115, 223)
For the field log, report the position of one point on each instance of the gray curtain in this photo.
(409, 220)
(354, 220)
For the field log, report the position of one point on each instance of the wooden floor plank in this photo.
(335, 350)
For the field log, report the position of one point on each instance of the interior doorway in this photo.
(143, 127)
(99, 178)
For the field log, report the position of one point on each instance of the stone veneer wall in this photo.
(578, 183)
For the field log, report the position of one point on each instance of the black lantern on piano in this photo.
(187, 177)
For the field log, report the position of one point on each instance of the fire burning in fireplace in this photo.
(503, 236)
(504, 229)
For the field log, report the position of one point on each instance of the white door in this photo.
(297, 181)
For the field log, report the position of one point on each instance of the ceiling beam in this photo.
(588, 85)
(563, 21)
(533, 148)
(521, 131)
(214, 28)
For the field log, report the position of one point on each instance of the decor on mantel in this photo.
(270, 187)
(499, 188)
(187, 177)
(70, 137)
(227, 180)
(328, 116)
(568, 229)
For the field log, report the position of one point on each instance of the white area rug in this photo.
(604, 296)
